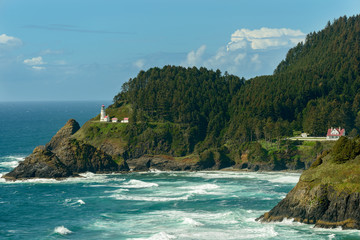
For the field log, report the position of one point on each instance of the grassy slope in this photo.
(96, 133)
(343, 177)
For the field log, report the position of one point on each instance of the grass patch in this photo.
(96, 133)
(342, 177)
(269, 146)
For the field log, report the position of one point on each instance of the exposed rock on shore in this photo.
(327, 194)
(321, 205)
(63, 157)
(163, 163)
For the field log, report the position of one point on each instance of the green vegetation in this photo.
(284, 154)
(96, 133)
(314, 88)
(223, 119)
(338, 167)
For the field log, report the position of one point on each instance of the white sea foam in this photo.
(11, 164)
(62, 230)
(267, 198)
(74, 202)
(285, 179)
(192, 222)
(267, 232)
(120, 190)
(17, 158)
(331, 236)
(159, 236)
(288, 221)
(201, 189)
(275, 177)
(11, 161)
(225, 218)
(84, 178)
(133, 183)
(149, 199)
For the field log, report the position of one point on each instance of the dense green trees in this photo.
(314, 88)
(197, 100)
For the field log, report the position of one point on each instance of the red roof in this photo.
(339, 130)
(126, 118)
(103, 105)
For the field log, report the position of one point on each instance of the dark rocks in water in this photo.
(320, 205)
(63, 157)
(42, 163)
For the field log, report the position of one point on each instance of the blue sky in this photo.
(86, 49)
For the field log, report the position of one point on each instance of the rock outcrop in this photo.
(64, 156)
(71, 127)
(320, 205)
(327, 194)
(162, 163)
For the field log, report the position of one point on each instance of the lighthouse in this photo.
(103, 117)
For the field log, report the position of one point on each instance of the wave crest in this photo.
(62, 230)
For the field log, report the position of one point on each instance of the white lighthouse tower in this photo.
(102, 114)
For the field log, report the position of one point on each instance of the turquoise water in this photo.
(151, 205)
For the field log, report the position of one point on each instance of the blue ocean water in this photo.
(149, 205)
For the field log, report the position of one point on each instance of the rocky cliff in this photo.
(65, 156)
(327, 194)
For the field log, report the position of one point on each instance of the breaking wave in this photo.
(133, 183)
(192, 222)
(149, 199)
(62, 230)
(11, 162)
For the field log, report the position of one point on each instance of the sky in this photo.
(86, 49)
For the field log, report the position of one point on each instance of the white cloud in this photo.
(249, 53)
(34, 61)
(264, 38)
(38, 68)
(139, 63)
(195, 57)
(9, 41)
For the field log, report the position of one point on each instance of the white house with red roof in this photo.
(335, 133)
(125, 120)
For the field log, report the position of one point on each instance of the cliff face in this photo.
(321, 205)
(327, 194)
(63, 157)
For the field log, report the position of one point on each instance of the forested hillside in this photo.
(180, 111)
(314, 88)
(195, 100)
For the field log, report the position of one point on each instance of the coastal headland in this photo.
(177, 118)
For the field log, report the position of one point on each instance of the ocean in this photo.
(148, 205)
